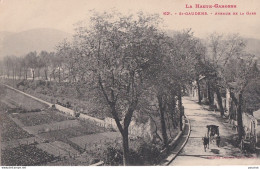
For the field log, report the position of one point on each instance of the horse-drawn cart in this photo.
(213, 134)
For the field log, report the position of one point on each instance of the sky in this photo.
(22, 15)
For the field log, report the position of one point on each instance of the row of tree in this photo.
(229, 67)
(45, 65)
(126, 64)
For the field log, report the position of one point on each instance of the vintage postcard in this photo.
(129, 83)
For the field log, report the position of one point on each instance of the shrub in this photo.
(142, 153)
(113, 156)
(146, 153)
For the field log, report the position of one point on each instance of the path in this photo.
(193, 153)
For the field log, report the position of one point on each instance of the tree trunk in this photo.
(63, 74)
(231, 113)
(33, 75)
(15, 74)
(209, 94)
(39, 73)
(180, 107)
(199, 96)
(221, 109)
(53, 74)
(20, 73)
(59, 75)
(126, 121)
(125, 147)
(172, 109)
(46, 75)
(239, 117)
(162, 118)
(8, 73)
(25, 74)
(168, 124)
(13, 77)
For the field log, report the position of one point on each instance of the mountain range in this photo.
(21, 43)
(47, 39)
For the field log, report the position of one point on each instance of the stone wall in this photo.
(145, 130)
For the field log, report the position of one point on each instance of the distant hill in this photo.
(252, 44)
(47, 39)
(22, 43)
(4, 34)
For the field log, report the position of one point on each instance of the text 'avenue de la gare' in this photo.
(216, 13)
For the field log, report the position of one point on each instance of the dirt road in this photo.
(193, 153)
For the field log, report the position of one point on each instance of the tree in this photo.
(241, 74)
(234, 69)
(31, 59)
(12, 63)
(7, 65)
(66, 55)
(112, 55)
(184, 52)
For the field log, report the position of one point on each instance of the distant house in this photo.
(256, 114)
(250, 125)
(203, 88)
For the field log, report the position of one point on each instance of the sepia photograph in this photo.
(129, 83)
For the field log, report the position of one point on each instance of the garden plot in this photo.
(58, 149)
(18, 142)
(7, 103)
(39, 118)
(67, 133)
(24, 101)
(51, 126)
(94, 139)
(10, 130)
(25, 155)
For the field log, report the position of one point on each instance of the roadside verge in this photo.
(178, 143)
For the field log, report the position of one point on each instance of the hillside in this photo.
(47, 39)
(31, 40)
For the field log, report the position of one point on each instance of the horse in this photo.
(205, 142)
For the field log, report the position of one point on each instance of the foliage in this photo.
(141, 153)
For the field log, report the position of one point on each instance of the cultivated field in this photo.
(39, 135)
(25, 155)
(10, 130)
(20, 100)
(38, 118)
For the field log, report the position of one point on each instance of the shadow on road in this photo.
(215, 151)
